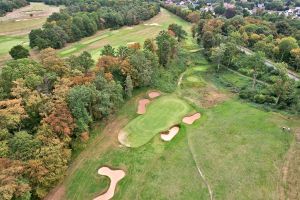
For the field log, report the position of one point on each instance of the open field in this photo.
(125, 35)
(16, 25)
(161, 114)
(22, 21)
(240, 149)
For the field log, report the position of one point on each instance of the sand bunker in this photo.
(191, 119)
(131, 43)
(123, 138)
(142, 106)
(153, 95)
(170, 135)
(153, 24)
(115, 176)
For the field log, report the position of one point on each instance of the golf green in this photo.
(161, 114)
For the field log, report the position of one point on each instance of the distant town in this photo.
(274, 7)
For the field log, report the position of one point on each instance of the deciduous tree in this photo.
(18, 52)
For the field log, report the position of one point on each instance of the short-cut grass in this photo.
(7, 42)
(125, 35)
(161, 114)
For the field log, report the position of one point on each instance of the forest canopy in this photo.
(85, 19)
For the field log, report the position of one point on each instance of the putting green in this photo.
(161, 114)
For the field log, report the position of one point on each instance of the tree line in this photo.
(223, 40)
(9, 5)
(48, 106)
(269, 36)
(84, 19)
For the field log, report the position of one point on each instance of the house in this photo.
(229, 6)
(261, 5)
(169, 2)
(297, 11)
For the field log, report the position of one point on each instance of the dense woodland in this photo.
(48, 106)
(270, 36)
(9, 5)
(85, 19)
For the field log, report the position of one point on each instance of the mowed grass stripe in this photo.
(161, 114)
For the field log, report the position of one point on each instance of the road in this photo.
(291, 74)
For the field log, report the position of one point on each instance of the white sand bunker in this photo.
(131, 43)
(170, 135)
(123, 138)
(115, 176)
(191, 119)
(153, 24)
(153, 95)
(142, 106)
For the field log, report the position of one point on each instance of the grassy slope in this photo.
(124, 35)
(240, 149)
(161, 114)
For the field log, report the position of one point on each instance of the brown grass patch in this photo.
(205, 97)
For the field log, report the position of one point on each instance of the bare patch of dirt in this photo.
(205, 97)
(34, 10)
(57, 193)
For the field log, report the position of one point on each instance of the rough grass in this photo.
(161, 114)
(124, 35)
(240, 149)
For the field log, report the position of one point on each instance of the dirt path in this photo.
(180, 79)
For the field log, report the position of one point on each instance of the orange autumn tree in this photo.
(12, 184)
(107, 64)
(61, 120)
(53, 63)
(12, 112)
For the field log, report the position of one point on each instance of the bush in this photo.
(19, 52)
(247, 93)
(260, 98)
